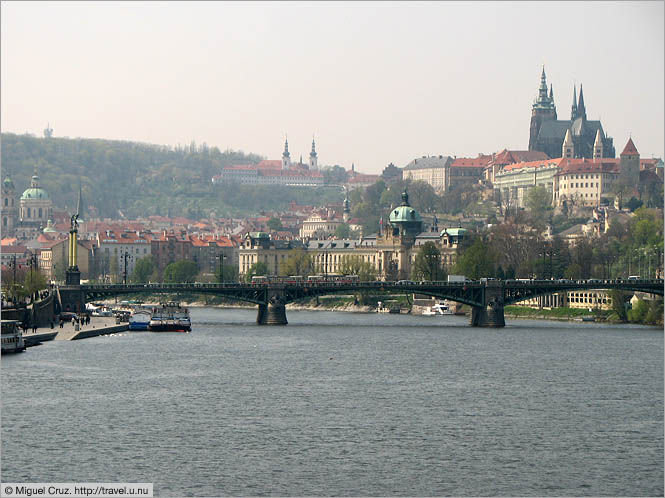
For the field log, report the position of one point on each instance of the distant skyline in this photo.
(372, 82)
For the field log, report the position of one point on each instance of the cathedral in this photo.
(31, 215)
(547, 133)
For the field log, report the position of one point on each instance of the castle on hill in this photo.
(547, 133)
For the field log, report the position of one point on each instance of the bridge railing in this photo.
(378, 283)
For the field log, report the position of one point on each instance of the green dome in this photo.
(8, 183)
(404, 214)
(34, 193)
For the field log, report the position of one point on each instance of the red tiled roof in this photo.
(629, 148)
(269, 164)
(648, 163)
(533, 164)
(516, 156)
(604, 165)
(241, 167)
(14, 249)
(471, 162)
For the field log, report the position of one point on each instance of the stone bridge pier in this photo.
(274, 312)
(490, 315)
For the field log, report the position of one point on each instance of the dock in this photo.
(97, 326)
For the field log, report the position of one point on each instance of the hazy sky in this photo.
(374, 82)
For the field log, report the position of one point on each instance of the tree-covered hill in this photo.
(138, 179)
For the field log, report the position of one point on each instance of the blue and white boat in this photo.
(139, 319)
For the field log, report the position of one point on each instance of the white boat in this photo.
(12, 338)
(382, 307)
(437, 309)
(102, 311)
(170, 317)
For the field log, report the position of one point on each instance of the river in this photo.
(343, 404)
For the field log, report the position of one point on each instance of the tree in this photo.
(655, 314)
(391, 172)
(477, 261)
(355, 265)
(181, 272)
(639, 312)
(114, 269)
(229, 274)
(342, 231)
(334, 175)
(538, 201)
(256, 270)
(34, 282)
(143, 269)
(427, 264)
(275, 223)
(299, 262)
(619, 304)
(634, 204)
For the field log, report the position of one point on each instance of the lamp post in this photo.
(125, 256)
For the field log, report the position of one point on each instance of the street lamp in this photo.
(125, 256)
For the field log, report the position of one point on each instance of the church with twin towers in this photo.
(313, 158)
(547, 133)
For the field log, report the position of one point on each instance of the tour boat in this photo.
(12, 338)
(170, 317)
(139, 319)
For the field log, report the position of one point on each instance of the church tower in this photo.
(9, 207)
(598, 146)
(629, 164)
(313, 161)
(347, 210)
(568, 149)
(573, 108)
(581, 110)
(543, 109)
(286, 156)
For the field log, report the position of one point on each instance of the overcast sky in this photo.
(374, 82)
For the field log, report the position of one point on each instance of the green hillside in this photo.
(130, 179)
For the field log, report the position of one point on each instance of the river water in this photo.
(343, 404)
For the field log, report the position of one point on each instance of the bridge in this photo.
(486, 297)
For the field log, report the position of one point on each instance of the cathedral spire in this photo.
(551, 93)
(286, 156)
(581, 110)
(573, 108)
(542, 91)
(312, 157)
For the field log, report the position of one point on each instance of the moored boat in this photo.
(170, 317)
(437, 309)
(12, 338)
(139, 319)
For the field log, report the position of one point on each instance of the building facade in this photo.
(434, 171)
